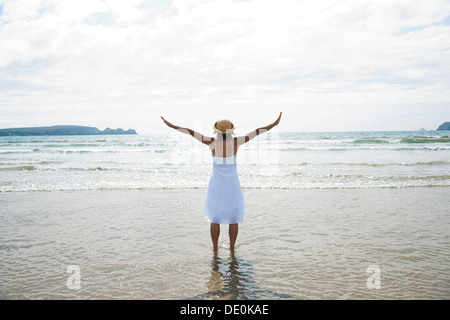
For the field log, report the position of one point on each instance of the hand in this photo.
(278, 120)
(167, 122)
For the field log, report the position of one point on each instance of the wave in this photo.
(430, 137)
(74, 151)
(7, 188)
(415, 139)
(15, 152)
(370, 141)
(32, 167)
(19, 168)
(406, 144)
(363, 164)
(421, 163)
(71, 145)
(86, 169)
(151, 167)
(368, 147)
(43, 162)
(444, 177)
(425, 140)
(62, 151)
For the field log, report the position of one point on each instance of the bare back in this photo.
(226, 148)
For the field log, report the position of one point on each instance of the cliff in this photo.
(444, 126)
(61, 131)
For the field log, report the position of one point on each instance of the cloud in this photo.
(132, 60)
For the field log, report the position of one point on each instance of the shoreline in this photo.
(243, 188)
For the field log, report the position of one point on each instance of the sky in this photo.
(345, 65)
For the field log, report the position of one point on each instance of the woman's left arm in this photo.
(196, 135)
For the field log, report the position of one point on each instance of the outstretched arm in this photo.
(196, 135)
(249, 136)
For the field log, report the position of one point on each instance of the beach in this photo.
(111, 114)
(293, 244)
(343, 215)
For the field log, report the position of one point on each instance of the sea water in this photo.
(272, 160)
(350, 215)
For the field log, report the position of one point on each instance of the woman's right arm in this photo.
(203, 139)
(249, 136)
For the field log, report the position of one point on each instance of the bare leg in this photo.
(215, 231)
(233, 232)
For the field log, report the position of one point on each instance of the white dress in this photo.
(225, 200)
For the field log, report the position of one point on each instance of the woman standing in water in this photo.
(224, 201)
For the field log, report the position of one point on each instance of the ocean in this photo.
(348, 215)
(271, 161)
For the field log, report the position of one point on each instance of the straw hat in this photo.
(224, 126)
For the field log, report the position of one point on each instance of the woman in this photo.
(224, 201)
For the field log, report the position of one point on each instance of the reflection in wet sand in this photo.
(232, 279)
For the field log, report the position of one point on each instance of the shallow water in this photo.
(293, 244)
